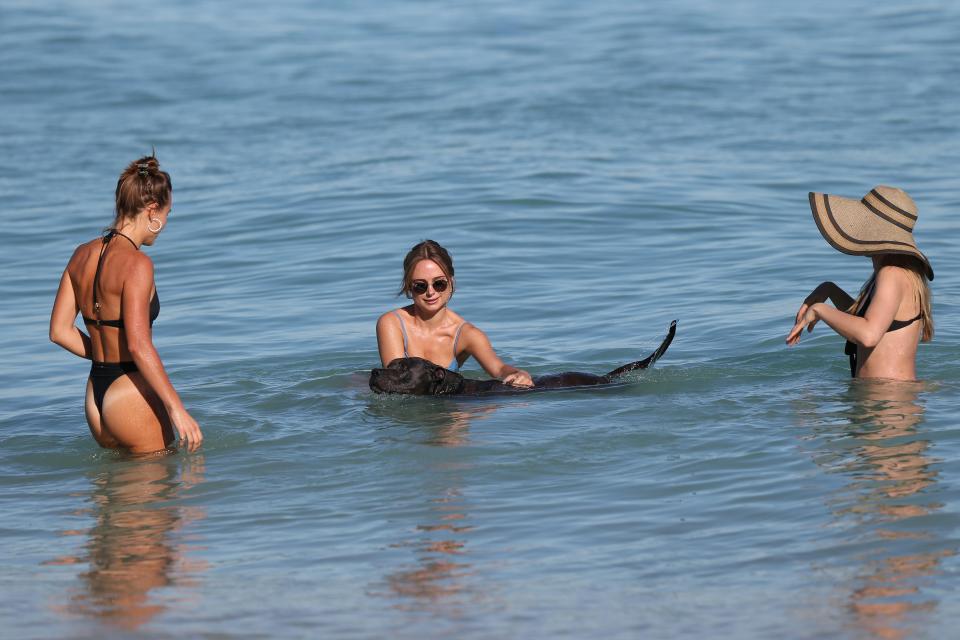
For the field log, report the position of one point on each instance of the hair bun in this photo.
(147, 165)
(143, 182)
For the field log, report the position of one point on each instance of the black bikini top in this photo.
(118, 323)
(850, 348)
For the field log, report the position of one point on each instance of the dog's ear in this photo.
(437, 376)
(451, 383)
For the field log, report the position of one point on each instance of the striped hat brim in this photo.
(857, 228)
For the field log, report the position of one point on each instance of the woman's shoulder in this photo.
(135, 263)
(456, 323)
(85, 249)
(469, 331)
(392, 317)
(893, 275)
(83, 254)
(92, 249)
(455, 318)
(393, 313)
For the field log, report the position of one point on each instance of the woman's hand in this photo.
(519, 378)
(807, 317)
(187, 428)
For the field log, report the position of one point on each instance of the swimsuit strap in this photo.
(454, 365)
(114, 232)
(900, 324)
(850, 348)
(403, 330)
(96, 280)
(867, 297)
(96, 277)
(456, 338)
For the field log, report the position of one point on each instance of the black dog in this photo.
(419, 377)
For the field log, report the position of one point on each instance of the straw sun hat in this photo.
(880, 222)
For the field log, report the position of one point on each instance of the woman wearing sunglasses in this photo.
(429, 329)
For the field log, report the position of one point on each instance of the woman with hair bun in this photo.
(130, 402)
(429, 329)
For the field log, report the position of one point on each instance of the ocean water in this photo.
(597, 170)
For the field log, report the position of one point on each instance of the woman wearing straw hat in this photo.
(892, 313)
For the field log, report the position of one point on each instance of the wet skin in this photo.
(417, 376)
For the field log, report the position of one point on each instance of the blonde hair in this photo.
(916, 270)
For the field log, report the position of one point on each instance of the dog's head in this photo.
(415, 376)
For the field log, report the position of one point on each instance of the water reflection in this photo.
(439, 577)
(431, 421)
(886, 506)
(135, 546)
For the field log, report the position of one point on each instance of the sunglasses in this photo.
(420, 287)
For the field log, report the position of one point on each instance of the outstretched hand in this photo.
(519, 378)
(806, 317)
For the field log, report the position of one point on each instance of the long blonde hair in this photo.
(916, 270)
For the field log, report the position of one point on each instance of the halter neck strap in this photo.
(114, 232)
(96, 277)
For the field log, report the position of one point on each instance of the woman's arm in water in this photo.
(478, 345)
(135, 302)
(866, 331)
(63, 330)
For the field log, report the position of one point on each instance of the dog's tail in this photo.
(649, 360)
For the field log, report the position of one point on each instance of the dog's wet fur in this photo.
(419, 377)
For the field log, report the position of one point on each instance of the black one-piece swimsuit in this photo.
(103, 374)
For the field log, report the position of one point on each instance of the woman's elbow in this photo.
(139, 348)
(58, 336)
(871, 338)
